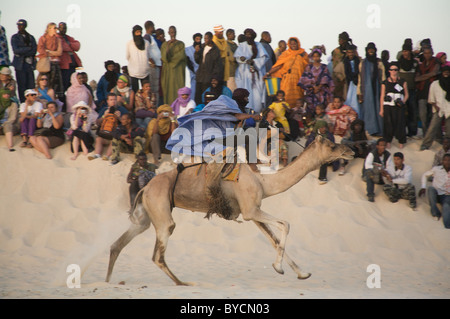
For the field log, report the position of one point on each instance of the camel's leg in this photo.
(164, 228)
(259, 216)
(124, 240)
(275, 242)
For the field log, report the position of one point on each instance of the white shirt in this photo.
(437, 96)
(36, 107)
(155, 52)
(190, 105)
(441, 180)
(205, 51)
(138, 64)
(368, 164)
(401, 176)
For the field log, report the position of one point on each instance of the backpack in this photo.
(109, 124)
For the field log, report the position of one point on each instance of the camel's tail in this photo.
(137, 213)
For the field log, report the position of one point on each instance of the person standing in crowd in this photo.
(282, 46)
(4, 50)
(375, 166)
(173, 57)
(138, 57)
(316, 82)
(160, 37)
(24, 48)
(69, 60)
(290, 67)
(393, 98)
(50, 45)
(337, 56)
(106, 83)
(351, 73)
(408, 66)
(233, 65)
(266, 39)
(222, 45)
(192, 65)
(439, 192)
(427, 74)
(385, 57)
(251, 58)
(155, 58)
(399, 182)
(439, 98)
(371, 74)
(209, 63)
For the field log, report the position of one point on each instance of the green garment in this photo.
(4, 103)
(173, 71)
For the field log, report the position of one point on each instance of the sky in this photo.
(104, 27)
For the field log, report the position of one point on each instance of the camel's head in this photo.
(330, 152)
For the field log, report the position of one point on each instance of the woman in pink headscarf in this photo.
(442, 59)
(183, 104)
(78, 92)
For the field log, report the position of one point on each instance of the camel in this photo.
(153, 204)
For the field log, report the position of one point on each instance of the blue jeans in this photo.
(444, 200)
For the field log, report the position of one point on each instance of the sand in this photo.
(55, 213)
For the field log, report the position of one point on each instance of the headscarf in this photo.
(361, 136)
(77, 92)
(219, 88)
(126, 89)
(180, 102)
(4, 103)
(287, 57)
(351, 75)
(440, 55)
(110, 76)
(251, 41)
(197, 35)
(138, 39)
(445, 82)
(239, 96)
(319, 124)
(163, 124)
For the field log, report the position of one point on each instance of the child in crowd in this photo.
(280, 107)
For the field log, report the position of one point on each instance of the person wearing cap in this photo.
(408, 67)
(29, 112)
(24, 47)
(173, 56)
(50, 46)
(371, 74)
(81, 122)
(69, 59)
(6, 80)
(439, 98)
(125, 95)
(8, 117)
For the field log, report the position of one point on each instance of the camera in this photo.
(112, 110)
(388, 98)
(399, 102)
(166, 114)
(45, 111)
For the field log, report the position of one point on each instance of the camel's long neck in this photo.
(287, 177)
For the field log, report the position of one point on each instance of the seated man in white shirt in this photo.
(399, 184)
(375, 167)
(440, 191)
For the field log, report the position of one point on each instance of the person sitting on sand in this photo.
(8, 117)
(439, 192)
(81, 122)
(140, 174)
(399, 182)
(29, 111)
(439, 156)
(50, 133)
(357, 141)
(376, 165)
(127, 138)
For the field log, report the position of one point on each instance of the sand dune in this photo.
(59, 212)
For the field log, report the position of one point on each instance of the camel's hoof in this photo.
(303, 277)
(278, 268)
(182, 283)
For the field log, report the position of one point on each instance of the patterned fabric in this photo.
(4, 54)
(395, 193)
(121, 147)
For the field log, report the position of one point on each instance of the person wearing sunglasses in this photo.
(45, 93)
(394, 94)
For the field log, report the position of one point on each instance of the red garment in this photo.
(72, 46)
(424, 69)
